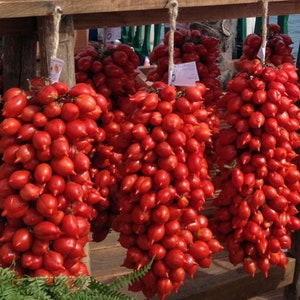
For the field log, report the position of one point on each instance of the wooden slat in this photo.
(221, 281)
(26, 8)
(189, 14)
(13, 23)
(224, 282)
(18, 16)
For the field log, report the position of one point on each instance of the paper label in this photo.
(56, 65)
(261, 54)
(184, 74)
(112, 33)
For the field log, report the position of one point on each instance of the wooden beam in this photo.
(190, 14)
(99, 19)
(27, 8)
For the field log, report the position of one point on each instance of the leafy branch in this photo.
(64, 287)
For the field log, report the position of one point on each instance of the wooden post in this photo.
(292, 291)
(19, 60)
(65, 48)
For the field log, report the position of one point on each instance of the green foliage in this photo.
(65, 288)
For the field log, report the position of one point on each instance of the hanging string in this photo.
(264, 29)
(56, 24)
(173, 13)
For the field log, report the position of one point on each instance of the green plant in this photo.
(65, 288)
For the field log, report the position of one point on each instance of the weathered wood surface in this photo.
(107, 13)
(65, 48)
(292, 292)
(221, 281)
(19, 60)
(27, 8)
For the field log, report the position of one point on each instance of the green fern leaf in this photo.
(132, 277)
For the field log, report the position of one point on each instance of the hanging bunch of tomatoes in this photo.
(111, 72)
(190, 46)
(257, 206)
(278, 48)
(164, 182)
(47, 184)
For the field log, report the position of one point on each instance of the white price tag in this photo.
(184, 74)
(56, 65)
(261, 54)
(112, 34)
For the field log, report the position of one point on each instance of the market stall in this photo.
(52, 24)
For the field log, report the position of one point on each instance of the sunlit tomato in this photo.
(46, 205)
(46, 95)
(22, 240)
(46, 230)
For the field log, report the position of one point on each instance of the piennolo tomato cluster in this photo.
(107, 155)
(164, 182)
(76, 163)
(111, 72)
(278, 47)
(259, 181)
(47, 188)
(190, 46)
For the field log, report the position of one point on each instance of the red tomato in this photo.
(22, 240)
(46, 230)
(47, 205)
(31, 261)
(8, 254)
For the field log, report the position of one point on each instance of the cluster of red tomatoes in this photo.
(107, 155)
(190, 46)
(48, 187)
(75, 162)
(278, 47)
(164, 181)
(259, 181)
(111, 73)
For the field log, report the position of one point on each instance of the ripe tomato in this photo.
(22, 240)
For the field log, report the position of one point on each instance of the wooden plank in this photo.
(185, 14)
(221, 281)
(27, 8)
(224, 282)
(153, 16)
